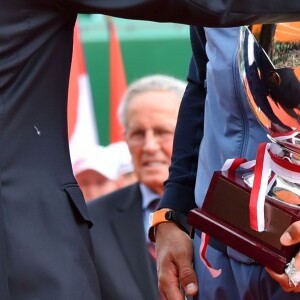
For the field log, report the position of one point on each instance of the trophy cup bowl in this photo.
(268, 60)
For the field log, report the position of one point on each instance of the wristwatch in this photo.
(165, 215)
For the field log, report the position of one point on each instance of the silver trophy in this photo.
(269, 56)
(269, 59)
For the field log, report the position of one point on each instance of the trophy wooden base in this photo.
(225, 216)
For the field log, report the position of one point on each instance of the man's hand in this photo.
(290, 237)
(174, 257)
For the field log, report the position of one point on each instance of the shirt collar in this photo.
(147, 195)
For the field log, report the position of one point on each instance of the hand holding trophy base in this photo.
(270, 79)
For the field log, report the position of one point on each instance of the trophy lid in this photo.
(269, 64)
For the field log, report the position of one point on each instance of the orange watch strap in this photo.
(156, 218)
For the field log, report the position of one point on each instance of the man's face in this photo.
(151, 120)
(94, 185)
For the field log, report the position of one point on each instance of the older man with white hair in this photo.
(124, 263)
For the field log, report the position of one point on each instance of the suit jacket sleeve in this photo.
(193, 12)
(179, 188)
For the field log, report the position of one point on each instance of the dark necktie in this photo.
(151, 207)
(151, 248)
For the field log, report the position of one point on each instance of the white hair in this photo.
(156, 82)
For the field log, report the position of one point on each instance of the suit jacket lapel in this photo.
(129, 230)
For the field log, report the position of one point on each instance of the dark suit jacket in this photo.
(45, 250)
(122, 259)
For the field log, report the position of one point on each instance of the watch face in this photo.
(269, 59)
(169, 215)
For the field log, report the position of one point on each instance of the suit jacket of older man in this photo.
(45, 250)
(122, 259)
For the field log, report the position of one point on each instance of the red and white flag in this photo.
(117, 78)
(82, 126)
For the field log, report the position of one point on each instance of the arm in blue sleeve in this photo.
(179, 188)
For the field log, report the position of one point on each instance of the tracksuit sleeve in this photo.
(179, 188)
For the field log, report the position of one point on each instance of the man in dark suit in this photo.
(124, 266)
(45, 250)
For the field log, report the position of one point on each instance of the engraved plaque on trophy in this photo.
(267, 62)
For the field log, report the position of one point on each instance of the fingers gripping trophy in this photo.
(264, 193)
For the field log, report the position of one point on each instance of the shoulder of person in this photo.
(111, 199)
